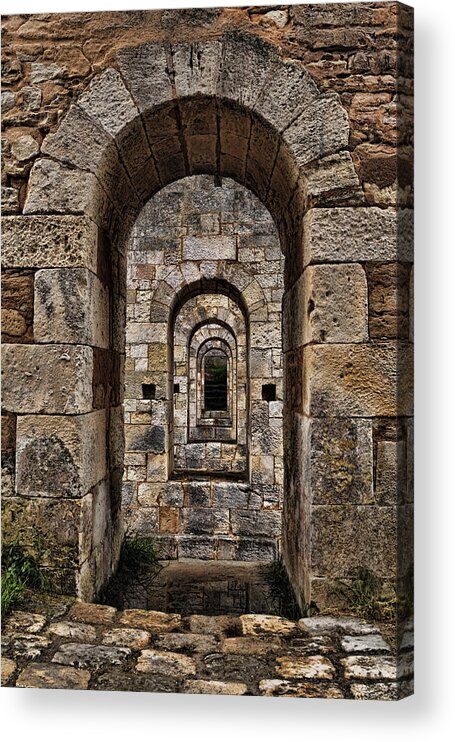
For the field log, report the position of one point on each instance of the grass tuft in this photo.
(19, 572)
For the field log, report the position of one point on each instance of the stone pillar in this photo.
(58, 388)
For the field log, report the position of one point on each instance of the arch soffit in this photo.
(109, 155)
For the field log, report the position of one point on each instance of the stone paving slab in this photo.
(73, 645)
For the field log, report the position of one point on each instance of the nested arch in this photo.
(239, 110)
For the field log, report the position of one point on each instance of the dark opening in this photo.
(215, 381)
(269, 392)
(176, 388)
(148, 391)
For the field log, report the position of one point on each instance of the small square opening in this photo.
(269, 392)
(148, 391)
(176, 388)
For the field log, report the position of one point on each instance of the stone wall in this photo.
(309, 107)
(175, 481)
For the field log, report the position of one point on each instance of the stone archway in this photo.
(230, 107)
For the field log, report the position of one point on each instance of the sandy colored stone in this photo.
(131, 638)
(256, 625)
(249, 646)
(279, 687)
(188, 642)
(49, 379)
(214, 687)
(8, 669)
(315, 666)
(209, 248)
(79, 632)
(72, 446)
(335, 304)
(358, 380)
(360, 234)
(54, 188)
(49, 241)
(21, 622)
(92, 613)
(154, 621)
(37, 675)
(165, 663)
(13, 323)
(71, 306)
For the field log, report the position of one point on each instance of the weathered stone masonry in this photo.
(308, 107)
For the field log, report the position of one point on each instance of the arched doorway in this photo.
(153, 120)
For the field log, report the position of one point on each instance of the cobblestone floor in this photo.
(61, 643)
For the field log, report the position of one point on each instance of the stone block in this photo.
(209, 248)
(231, 495)
(356, 235)
(149, 438)
(60, 456)
(71, 306)
(196, 67)
(154, 621)
(256, 550)
(340, 469)
(289, 88)
(358, 380)
(256, 523)
(335, 305)
(143, 69)
(215, 687)
(346, 537)
(196, 547)
(146, 332)
(321, 129)
(47, 378)
(48, 528)
(90, 656)
(315, 666)
(54, 188)
(205, 520)
(246, 62)
(390, 472)
(165, 663)
(199, 495)
(43, 675)
(49, 242)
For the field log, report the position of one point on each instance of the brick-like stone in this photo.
(299, 689)
(356, 234)
(73, 448)
(131, 638)
(358, 380)
(256, 523)
(42, 675)
(373, 668)
(361, 644)
(335, 304)
(90, 655)
(214, 687)
(348, 535)
(258, 625)
(49, 379)
(8, 669)
(209, 248)
(154, 621)
(92, 613)
(71, 306)
(165, 663)
(79, 632)
(340, 468)
(49, 242)
(321, 128)
(315, 666)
